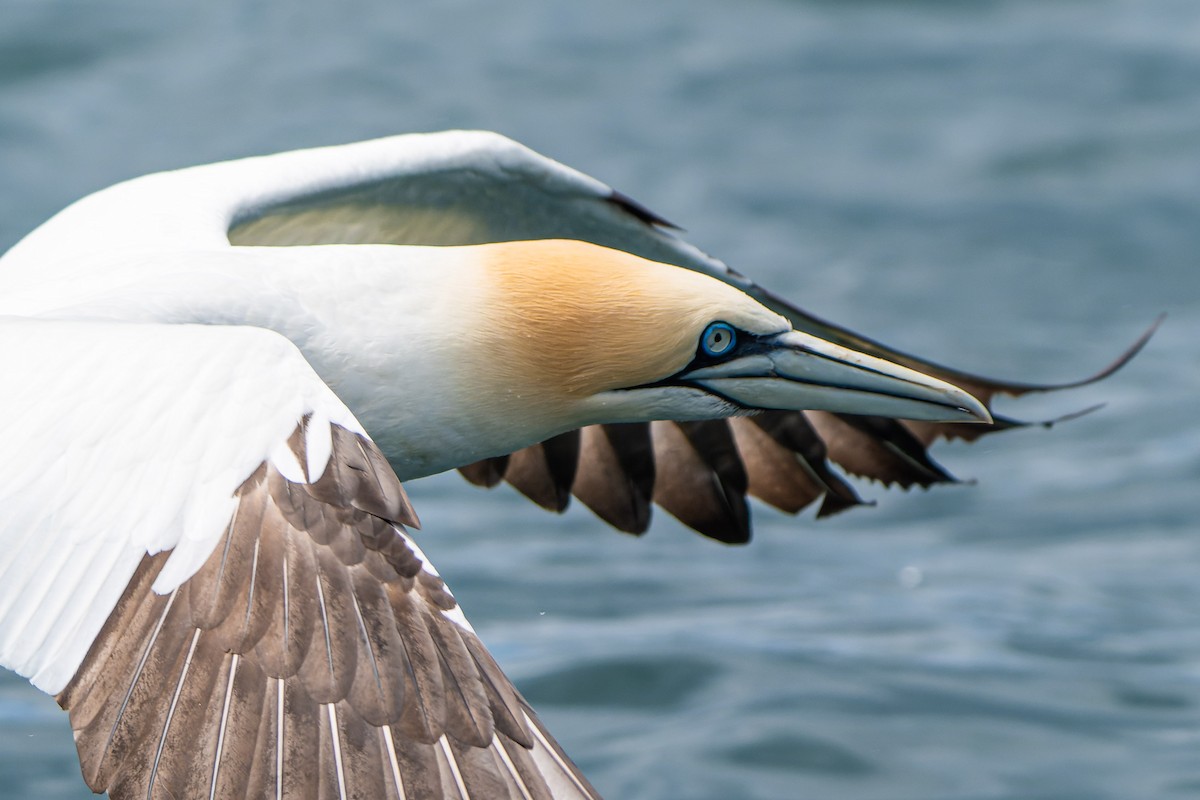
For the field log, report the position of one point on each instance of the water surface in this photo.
(1011, 187)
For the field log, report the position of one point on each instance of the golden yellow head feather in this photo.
(574, 319)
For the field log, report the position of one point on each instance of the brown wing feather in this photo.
(700, 478)
(615, 475)
(878, 448)
(545, 472)
(311, 656)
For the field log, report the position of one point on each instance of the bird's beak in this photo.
(795, 371)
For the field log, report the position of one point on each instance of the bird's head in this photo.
(599, 335)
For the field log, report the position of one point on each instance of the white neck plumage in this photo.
(389, 329)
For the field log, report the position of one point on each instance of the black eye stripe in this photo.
(745, 344)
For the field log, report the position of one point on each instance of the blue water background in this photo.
(1010, 187)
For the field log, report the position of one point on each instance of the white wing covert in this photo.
(197, 517)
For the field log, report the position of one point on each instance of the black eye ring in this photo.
(718, 339)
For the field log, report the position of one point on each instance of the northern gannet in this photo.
(206, 557)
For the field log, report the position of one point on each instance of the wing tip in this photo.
(1126, 356)
(633, 207)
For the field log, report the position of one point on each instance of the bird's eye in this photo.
(718, 339)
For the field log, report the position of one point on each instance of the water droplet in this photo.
(910, 577)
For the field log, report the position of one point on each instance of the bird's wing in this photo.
(207, 562)
(470, 187)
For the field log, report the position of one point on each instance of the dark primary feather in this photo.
(308, 657)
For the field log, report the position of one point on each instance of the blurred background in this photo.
(1009, 187)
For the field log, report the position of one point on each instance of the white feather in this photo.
(127, 440)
